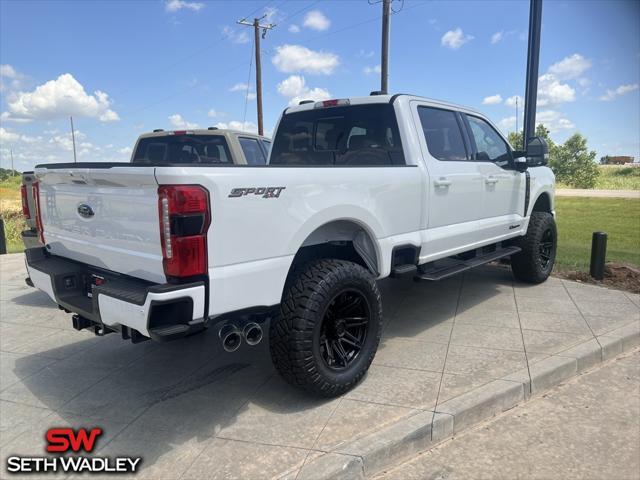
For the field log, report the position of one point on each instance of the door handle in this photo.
(491, 180)
(442, 182)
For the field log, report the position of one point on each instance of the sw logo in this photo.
(65, 440)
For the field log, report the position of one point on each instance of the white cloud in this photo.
(236, 125)
(177, 121)
(552, 92)
(270, 14)
(511, 101)
(496, 37)
(244, 87)
(175, 5)
(9, 137)
(296, 58)
(492, 99)
(213, 113)
(234, 36)
(454, 39)
(294, 87)
(10, 80)
(366, 53)
(239, 87)
(621, 90)
(293, 28)
(553, 120)
(125, 150)
(62, 97)
(316, 20)
(570, 67)
(8, 71)
(507, 124)
(375, 69)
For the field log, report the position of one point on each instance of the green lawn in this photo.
(578, 218)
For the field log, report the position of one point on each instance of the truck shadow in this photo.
(162, 401)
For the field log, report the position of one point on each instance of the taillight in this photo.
(25, 202)
(184, 220)
(35, 189)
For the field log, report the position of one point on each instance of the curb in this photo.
(369, 455)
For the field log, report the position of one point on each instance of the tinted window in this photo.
(252, 151)
(442, 133)
(182, 149)
(489, 145)
(351, 135)
(267, 146)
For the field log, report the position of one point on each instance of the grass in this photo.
(578, 218)
(615, 177)
(11, 213)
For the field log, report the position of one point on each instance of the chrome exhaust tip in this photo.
(252, 333)
(231, 337)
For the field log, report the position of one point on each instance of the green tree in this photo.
(515, 138)
(573, 163)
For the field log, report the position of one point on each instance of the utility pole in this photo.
(256, 39)
(73, 139)
(517, 117)
(533, 60)
(384, 71)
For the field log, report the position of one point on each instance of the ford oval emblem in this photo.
(85, 210)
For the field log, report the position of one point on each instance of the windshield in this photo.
(363, 135)
(166, 149)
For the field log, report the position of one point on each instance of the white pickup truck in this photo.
(355, 190)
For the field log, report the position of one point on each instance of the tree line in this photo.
(572, 162)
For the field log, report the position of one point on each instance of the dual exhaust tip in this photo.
(232, 336)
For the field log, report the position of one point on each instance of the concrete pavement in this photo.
(588, 428)
(583, 192)
(193, 411)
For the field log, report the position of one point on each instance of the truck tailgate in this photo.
(105, 217)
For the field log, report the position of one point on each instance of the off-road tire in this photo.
(294, 335)
(527, 265)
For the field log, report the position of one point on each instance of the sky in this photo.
(121, 68)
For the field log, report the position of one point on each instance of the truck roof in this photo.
(386, 98)
(202, 131)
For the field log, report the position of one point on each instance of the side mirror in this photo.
(520, 163)
(537, 151)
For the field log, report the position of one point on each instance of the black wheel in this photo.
(328, 328)
(534, 263)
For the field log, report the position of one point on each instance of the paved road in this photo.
(586, 429)
(578, 192)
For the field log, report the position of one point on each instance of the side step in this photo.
(403, 270)
(456, 266)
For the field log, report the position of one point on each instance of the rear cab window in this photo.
(182, 149)
(253, 153)
(353, 135)
(443, 133)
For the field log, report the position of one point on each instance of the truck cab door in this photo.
(504, 187)
(455, 189)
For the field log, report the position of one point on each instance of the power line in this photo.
(246, 97)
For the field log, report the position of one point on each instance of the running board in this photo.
(403, 270)
(458, 266)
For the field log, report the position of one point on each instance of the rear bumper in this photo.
(30, 239)
(131, 306)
